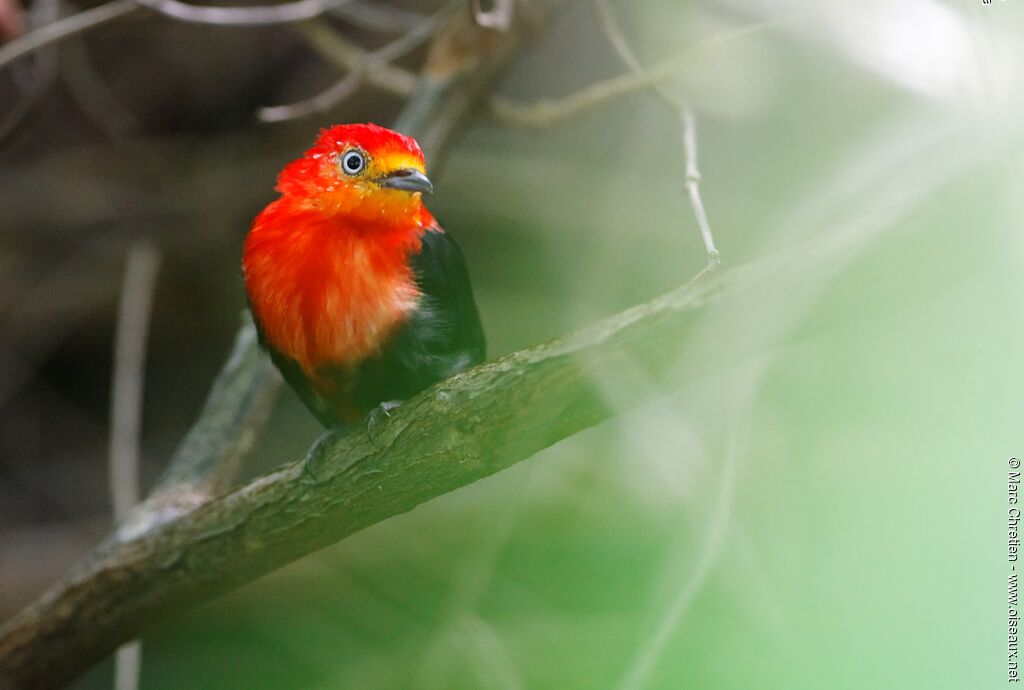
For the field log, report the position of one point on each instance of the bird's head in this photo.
(365, 174)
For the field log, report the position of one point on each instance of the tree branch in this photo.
(546, 112)
(260, 15)
(617, 38)
(361, 65)
(462, 429)
(142, 265)
(373, 15)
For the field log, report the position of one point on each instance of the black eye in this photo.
(353, 162)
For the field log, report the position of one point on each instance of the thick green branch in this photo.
(465, 428)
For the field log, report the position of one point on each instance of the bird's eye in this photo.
(353, 162)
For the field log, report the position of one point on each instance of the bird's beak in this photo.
(408, 179)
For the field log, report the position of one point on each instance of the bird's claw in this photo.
(378, 416)
(315, 454)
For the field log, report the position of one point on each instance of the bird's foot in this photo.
(377, 417)
(315, 455)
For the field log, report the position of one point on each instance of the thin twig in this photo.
(346, 54)
(551, 111)
(375, 16)
(287, 13)
(615, 35)
(363, 67)
(548, 112)
(61, 29)
(143, 262)
(638, 674)
(693, 188)
(418, 35)
(357, 62)
(617, 38)
(321, 102)
(299, 11)
(141, 269)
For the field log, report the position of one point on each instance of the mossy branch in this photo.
(463, 429)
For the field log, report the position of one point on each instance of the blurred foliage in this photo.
(829, 514)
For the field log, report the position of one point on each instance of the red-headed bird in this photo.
(357, 293)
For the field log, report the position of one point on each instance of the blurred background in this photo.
(829, 513)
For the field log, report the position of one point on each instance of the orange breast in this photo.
(325, 294)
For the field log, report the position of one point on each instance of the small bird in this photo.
(360, 297)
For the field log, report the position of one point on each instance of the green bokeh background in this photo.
(829, 513)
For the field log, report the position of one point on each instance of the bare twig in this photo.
(617, 38)
(321, 102)
(499, 17)
(362, 66)
(548, 112)
(298, 11)
(417, 35)
(638, 674)
(375, 16)
(358, 62)
(693, 188)
(552, 111)
(143, 262)
(287, 13)
(61, 29)
(346, 54)
(141, 268)
(689, 127)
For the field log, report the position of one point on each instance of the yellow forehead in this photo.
(383, 164)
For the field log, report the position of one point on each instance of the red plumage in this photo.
(330, 268)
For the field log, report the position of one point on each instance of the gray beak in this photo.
(408, 179)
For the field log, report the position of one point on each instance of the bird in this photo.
(358, 295)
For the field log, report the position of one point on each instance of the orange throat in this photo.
(327, 293)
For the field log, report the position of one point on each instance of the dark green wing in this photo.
(442, 337)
